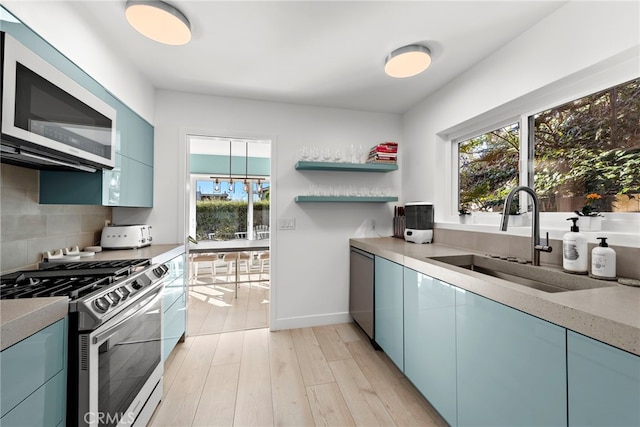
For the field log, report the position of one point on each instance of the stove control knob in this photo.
(160, 270)
(101, 304)
(115, 297)
(136, 285)
(124, 292)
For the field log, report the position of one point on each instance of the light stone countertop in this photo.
(157, 253)
(23, 317)
(608, 314)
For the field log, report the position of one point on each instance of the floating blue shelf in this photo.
(348, 199)
(347, 167)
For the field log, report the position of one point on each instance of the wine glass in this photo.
(304, 153)
(326, 154)
(337, 155)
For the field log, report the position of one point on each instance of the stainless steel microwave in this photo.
(49, 121)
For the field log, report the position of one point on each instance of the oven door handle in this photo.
(137, 310)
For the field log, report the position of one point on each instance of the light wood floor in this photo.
(212, 306)
(321, 376)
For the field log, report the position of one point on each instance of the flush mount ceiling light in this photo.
(158, 21)
(407, 61)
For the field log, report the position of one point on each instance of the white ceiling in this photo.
(325, 53)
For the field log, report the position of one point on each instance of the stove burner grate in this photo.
(73, 287)
(75, 280)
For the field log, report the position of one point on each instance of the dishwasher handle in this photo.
(361, 252)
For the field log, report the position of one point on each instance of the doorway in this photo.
(229, 219)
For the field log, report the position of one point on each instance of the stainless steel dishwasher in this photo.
(361, 279)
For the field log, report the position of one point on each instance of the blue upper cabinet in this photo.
(130, 183)
(511, 366)
(604, 384)
(388, 309)
(430, 340)
(134, 136)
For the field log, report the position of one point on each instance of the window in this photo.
(222, 213)
(587, 152)
(583, 155)
(488, 168)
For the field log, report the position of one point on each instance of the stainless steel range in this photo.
(115, 370)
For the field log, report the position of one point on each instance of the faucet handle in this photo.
(546, 247)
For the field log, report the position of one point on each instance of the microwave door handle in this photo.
(138, 311)
(58, 162)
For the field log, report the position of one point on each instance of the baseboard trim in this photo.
(310, 321)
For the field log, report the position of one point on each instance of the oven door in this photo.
(124, 367)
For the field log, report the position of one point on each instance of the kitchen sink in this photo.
(545, 279)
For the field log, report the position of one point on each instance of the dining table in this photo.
(233, 245)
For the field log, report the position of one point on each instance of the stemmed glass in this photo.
(337, 155)
(304, 153)
(326, 154)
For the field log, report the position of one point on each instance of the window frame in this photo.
(557, 95)
(455, 142)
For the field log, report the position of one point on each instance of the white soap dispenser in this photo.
(603, 261)
(575, 257)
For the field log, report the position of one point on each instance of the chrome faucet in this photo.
(536, 247)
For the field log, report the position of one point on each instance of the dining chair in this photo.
(263, 257)
(261, 231)
(235, 260)
(204, 261)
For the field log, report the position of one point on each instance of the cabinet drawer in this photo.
(30, 363)
(45, 407)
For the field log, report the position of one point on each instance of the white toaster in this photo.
(126, 236)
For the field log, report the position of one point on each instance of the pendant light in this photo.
(230, 179)
(407, 61)
(246, 166)
(217, 186)
(158, 21)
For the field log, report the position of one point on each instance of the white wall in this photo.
(310, 269)
(59, 24)
(582, 47)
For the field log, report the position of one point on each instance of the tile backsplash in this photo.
(27, 228)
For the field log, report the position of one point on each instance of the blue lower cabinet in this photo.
(430, 340)
(174, 305)
(33, 376)
(44, 407)
(604, 384)
(173, 325)
(388, 309)
(511, 366)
